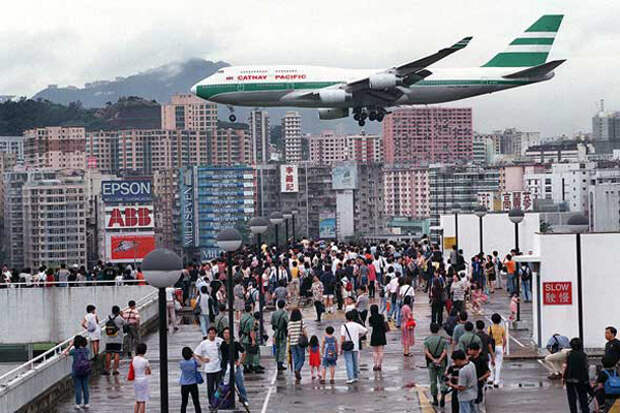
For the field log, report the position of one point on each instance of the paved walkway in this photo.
(401, 387)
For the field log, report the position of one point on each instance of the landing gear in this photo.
(372, 114)
(232, 116)
(361, 122)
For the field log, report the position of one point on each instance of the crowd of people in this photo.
(373, 286)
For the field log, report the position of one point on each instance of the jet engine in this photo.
(383, 81)
(333, 113)
(334, 96)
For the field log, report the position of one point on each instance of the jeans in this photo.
(318, 306)
(80, 384)
(437, 312)
(576, 391)
(186, 390)
(212, 381)
(526, 288)
(299, 356)
(510, 283)
(467, 407)
(382, 305)
(133, 338)
(351, 362)
(239, 382)
(204, 323)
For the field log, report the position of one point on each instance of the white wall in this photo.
(497, 230)
(31, 315)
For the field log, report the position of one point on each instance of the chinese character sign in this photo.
(289, 179)
(558, 293)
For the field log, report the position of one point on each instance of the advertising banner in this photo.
(129, 190)
(327, 225)
(344, 176)
(289, 178)
(129, 217)
(129, 247)
(189, 208)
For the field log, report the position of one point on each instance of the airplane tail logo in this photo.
(532, 47)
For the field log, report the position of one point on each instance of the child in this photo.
(142, 369)
(90, 323)
(315, 356)
(329, 349)
(190, 378)
(514, 300)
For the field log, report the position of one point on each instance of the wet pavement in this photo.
(402, 386)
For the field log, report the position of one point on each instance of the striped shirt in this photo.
(294, 331)
(131, 316)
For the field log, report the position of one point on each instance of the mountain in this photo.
(178, 77)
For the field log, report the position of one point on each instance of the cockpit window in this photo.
(220, 71)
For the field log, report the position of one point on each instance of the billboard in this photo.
(327, 225)
(344, 176)
(558, 293)
(129, 247)
(189, 208)
(127, 190)
(289, 178)
(129, 217)
(505, 201)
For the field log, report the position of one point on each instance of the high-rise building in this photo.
(483, 149)
(55, 147)
(187, 112)
(14, 145)
(231, 147)
(428, 135)
(260, 135)
(165, 198)
(604, 206)
(606, 131)
(406, 191)
(291, 137)
(329, 148)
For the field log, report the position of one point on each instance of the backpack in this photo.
(612, 385)
(91, 326)
(330, 349)
(81, 363)
(111, 329)
(449, 325)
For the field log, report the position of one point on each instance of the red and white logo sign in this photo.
(124, 217)
(558, 293)
(289, 178)
(127, 247)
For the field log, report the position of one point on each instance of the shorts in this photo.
(329, 362)
(114, 348)
(330, 296)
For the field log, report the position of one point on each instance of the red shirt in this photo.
(372, 273)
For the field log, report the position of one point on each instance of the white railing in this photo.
(13, 377)
(44, 284)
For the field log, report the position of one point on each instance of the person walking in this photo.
(248, 338)
(90, 323)
(279, 324)
(80, 370)
(296, 330)
(377, 338)
(329, 349)
(436, 351)
(190, 377)
(204, 306)
(498, 333)
(468, 337)
(208, 352)
(407, 326)
(171, 312)
(317, 297)
(438, 296)
(132, 320)
(142, 371)
(467, 385)
(114, 327)
(362, 304)
(239, 355)
(350, 334)
(576, 377)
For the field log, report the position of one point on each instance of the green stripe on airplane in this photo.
(517, 59)
(533, 40)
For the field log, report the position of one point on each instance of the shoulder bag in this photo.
(348, 344)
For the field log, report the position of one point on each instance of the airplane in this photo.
(371, 93)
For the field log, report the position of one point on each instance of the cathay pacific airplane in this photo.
(371, 93)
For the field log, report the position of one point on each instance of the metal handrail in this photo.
(41, 284)
(13, 376)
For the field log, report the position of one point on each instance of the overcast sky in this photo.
(72, 42)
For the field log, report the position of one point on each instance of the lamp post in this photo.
(294, 211)
(258, 225)
(162, 268)
(516, 216)
(287, 216)
(480, 212)
(276, 219)
(579, 223)
(230, 240)
(456, 209)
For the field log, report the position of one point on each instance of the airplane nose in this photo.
(193, 88)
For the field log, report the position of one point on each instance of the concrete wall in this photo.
(54, 314)
(600, 280)
(497, 230)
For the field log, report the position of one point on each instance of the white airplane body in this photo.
(371, 91)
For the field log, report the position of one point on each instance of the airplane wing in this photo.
(412, 72)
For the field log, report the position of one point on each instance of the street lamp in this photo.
(258, 225)
(480, 212)
(579, 223)
(276, 219)
(516, 216)
(294, 211)
(287, 216)
(455, 210)
(230, 240)
(162, 268)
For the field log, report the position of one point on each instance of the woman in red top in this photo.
(372, 279)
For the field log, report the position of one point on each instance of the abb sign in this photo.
(129, 217)
(558, 293)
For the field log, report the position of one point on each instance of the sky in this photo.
(73, 42)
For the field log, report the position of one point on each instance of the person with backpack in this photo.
(114, 327)
(80, 370)
(279, 324)
(90, 323)
(558, 347)
(526, 282)
(329, 349)
(468, 337)
(436, 351)
(576, 377)
(607, 386)
(248, 339)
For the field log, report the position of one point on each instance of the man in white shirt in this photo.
(170, 307)
(351, 332)
(208, 352)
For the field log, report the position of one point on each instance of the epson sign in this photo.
(135, 190)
